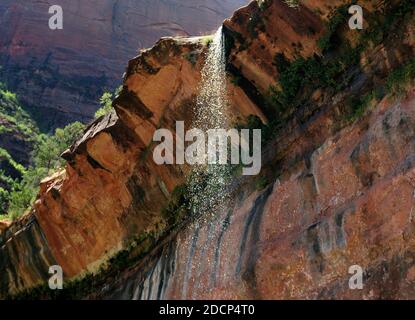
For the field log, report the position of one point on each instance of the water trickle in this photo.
(193, 264)
(208, 184)
(211, 104)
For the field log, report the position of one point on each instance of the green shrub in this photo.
(46, 160)
(207, 40)
(12, 112)
(4, 201)
(261, 183)
(106, 102)
(4, 155)
(292, 3)
(177, 207)
(381, 24)
(302, 76)
(106, 105)
(358, 105)
(336, 21)
(400, 78)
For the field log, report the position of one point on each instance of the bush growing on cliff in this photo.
(106, 105)
(299, 78)
(330, 39)
(106, 102)
(292, 3)
(176, 209)
(46, 160)
(4, 198)
(15, 115)
(400, 78)
(48, 149)
(207, 40)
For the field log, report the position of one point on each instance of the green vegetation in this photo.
(5, 156)
(396, 86)
(207, 40)
(292, 3)
(18, 191)
(48, 149)
(10, 172)
(334, 71)
(299, 78)
(17, 122)
(393, 16)
(331, 38)
(400, 78)
(261, 183)
(45, 161)
(13, 113)
(106, 103)
(264, 4)
(359, 104)
(178, 205)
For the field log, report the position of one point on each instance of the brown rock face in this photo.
(24, 255)
(339, 192)
(59, 75)
(262, 38)
(3, 225)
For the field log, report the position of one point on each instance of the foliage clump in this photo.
(45, 161)
(178, 205)
(106, 103)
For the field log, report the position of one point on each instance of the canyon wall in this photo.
(348, 202)
(60, 75)
(341, 197)
(338, 191)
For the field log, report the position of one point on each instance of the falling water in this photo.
(208, 184)
(191, 263)
(211, 110)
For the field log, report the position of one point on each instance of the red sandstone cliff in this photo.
(339, 192)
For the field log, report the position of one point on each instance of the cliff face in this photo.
(348, 202)
(339, 174)
(24, 254)
(60, 75)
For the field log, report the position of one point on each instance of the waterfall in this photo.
(192, 263)
(208, 184)
(211, 102)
